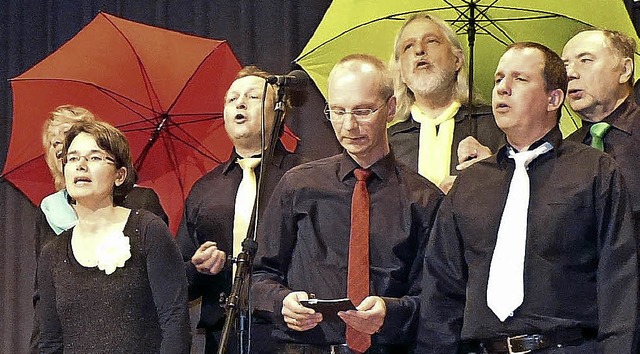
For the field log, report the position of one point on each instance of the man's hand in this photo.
(296, 316)
(369, 317)
(208, 259)
(471, 151)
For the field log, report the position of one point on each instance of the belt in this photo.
(295, 348)
(528, 343)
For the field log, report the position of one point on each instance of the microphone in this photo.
(294, 79)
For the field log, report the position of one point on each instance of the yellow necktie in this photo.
(245, 198)
(434, 149)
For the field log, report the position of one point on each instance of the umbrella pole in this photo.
(237, 301)
(154, 137)
(471, 36)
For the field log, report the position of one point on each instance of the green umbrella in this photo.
(486, 26)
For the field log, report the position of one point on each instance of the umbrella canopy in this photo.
(363, 26)
(163, 89)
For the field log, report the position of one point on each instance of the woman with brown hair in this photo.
(115, 282)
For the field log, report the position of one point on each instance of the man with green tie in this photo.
(600, 69)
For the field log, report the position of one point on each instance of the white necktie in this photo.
(505, 289)
(245, 198)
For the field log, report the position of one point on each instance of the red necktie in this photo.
(358, 274)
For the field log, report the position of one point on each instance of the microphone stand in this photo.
(237, 301)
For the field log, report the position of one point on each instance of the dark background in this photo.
(268, 33)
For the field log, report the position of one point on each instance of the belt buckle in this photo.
(510, 346)
(336, 348)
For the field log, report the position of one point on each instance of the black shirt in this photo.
(305, 241)
(622, 142)
(208, 216)
(581, 263)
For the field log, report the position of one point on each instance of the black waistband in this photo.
(294, 348)
(532, 342)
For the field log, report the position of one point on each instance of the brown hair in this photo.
(115, 144)
(624, 46)
(554, 72)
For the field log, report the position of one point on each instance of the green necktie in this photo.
(598, 131)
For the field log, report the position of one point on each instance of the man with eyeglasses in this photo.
(333, 222)
(212, 227)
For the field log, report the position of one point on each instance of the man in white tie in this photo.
(534, 249)
(219, 207)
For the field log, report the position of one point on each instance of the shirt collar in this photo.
(278, 157)
(382, 168)
(554, 137)
(623, 117)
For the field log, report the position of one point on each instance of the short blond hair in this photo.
(385, 90)
(60, 115)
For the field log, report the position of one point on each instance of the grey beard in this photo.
(426, 85)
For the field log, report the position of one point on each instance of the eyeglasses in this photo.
(94, 158)
(360, 114)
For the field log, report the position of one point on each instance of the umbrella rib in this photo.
(109, 93)
(487, 32)
(461, 14)
(22, 164)
(151, 93)
(192, 75)
(213, 116)
(170, 149)
(483, 13)
(550, 14)
(393, 17)
(204, 151)
(540, 17)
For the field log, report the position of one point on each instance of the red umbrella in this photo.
(164, 89)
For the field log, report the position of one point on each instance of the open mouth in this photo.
(423, 64)
(78, 180)
(240, 118)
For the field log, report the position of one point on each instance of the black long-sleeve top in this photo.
(208, 216)
(305, 241)
(139, 308)
(138, 198)
(581, 262)
(622, 142)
